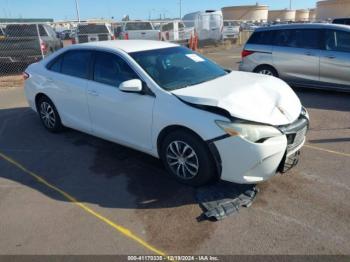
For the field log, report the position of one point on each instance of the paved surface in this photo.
(307, 212)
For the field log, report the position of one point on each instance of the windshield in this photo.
(177, 67)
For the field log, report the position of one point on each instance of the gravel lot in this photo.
(306, 212)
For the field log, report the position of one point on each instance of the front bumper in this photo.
(245, 162)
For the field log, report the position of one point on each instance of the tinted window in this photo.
(168, 27)
(262, 38)
(76, 63)
(56, 65)
(138, 26)
(24, 30)
(112, 70)
(298, 38)
(337, 41)
(342, 21)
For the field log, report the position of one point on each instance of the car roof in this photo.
(129, 46)
(304, 26)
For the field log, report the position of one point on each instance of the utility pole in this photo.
(77, 9)
(290, 4)
(180, 9)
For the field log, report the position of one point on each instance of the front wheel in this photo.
(188, 159)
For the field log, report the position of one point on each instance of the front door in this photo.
(118, 116)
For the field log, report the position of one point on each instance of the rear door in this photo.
(335, 59)
(296, 55)
(67, 82)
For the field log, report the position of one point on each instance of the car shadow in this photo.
(322, 99)
(90, 169)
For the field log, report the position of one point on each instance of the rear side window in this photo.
(112, 70)
(341, 21)
(76, 63)
(337, 41)
(262, 38)
(55, 66)
(298, 38)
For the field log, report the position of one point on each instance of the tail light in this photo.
(126, 36)
(25, 75)
(113, 37)
(246, 53)
(73, 41)
(43, 47)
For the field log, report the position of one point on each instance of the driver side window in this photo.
(111, 70)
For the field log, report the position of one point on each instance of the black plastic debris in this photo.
(224, 199)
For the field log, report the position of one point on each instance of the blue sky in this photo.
(137, 9)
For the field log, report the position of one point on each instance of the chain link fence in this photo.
(24, 43)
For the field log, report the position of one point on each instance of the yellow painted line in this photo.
(327, 150)
(124, 231)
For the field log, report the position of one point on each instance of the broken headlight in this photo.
(252, 132)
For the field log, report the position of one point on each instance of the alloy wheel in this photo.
(182, 160)
(47, 115)
(266, 72)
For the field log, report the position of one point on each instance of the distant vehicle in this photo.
(208, 24)
(23, 44)
(143, 30)
(205, 123)
(66, 34)
(341, 21)
(310, 55)
(93, 32)
(230, 30)
(175, 31)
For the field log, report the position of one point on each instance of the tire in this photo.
(48, 115)
(266, 70)
(198, 168)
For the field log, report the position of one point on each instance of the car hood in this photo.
(248, 96)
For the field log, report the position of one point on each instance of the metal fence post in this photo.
(41, 50)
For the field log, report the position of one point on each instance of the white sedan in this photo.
(205, 123)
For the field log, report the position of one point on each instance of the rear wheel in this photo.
(49, 115)
(188, 159)
(266, 70)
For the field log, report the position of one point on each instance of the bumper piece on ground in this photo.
(224, 199)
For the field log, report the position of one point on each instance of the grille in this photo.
(297, 140)
(295, 132)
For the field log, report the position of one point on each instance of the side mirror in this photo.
(134, 85)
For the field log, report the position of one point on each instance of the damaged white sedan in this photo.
(205, 123)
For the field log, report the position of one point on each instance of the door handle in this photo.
(92, 93)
